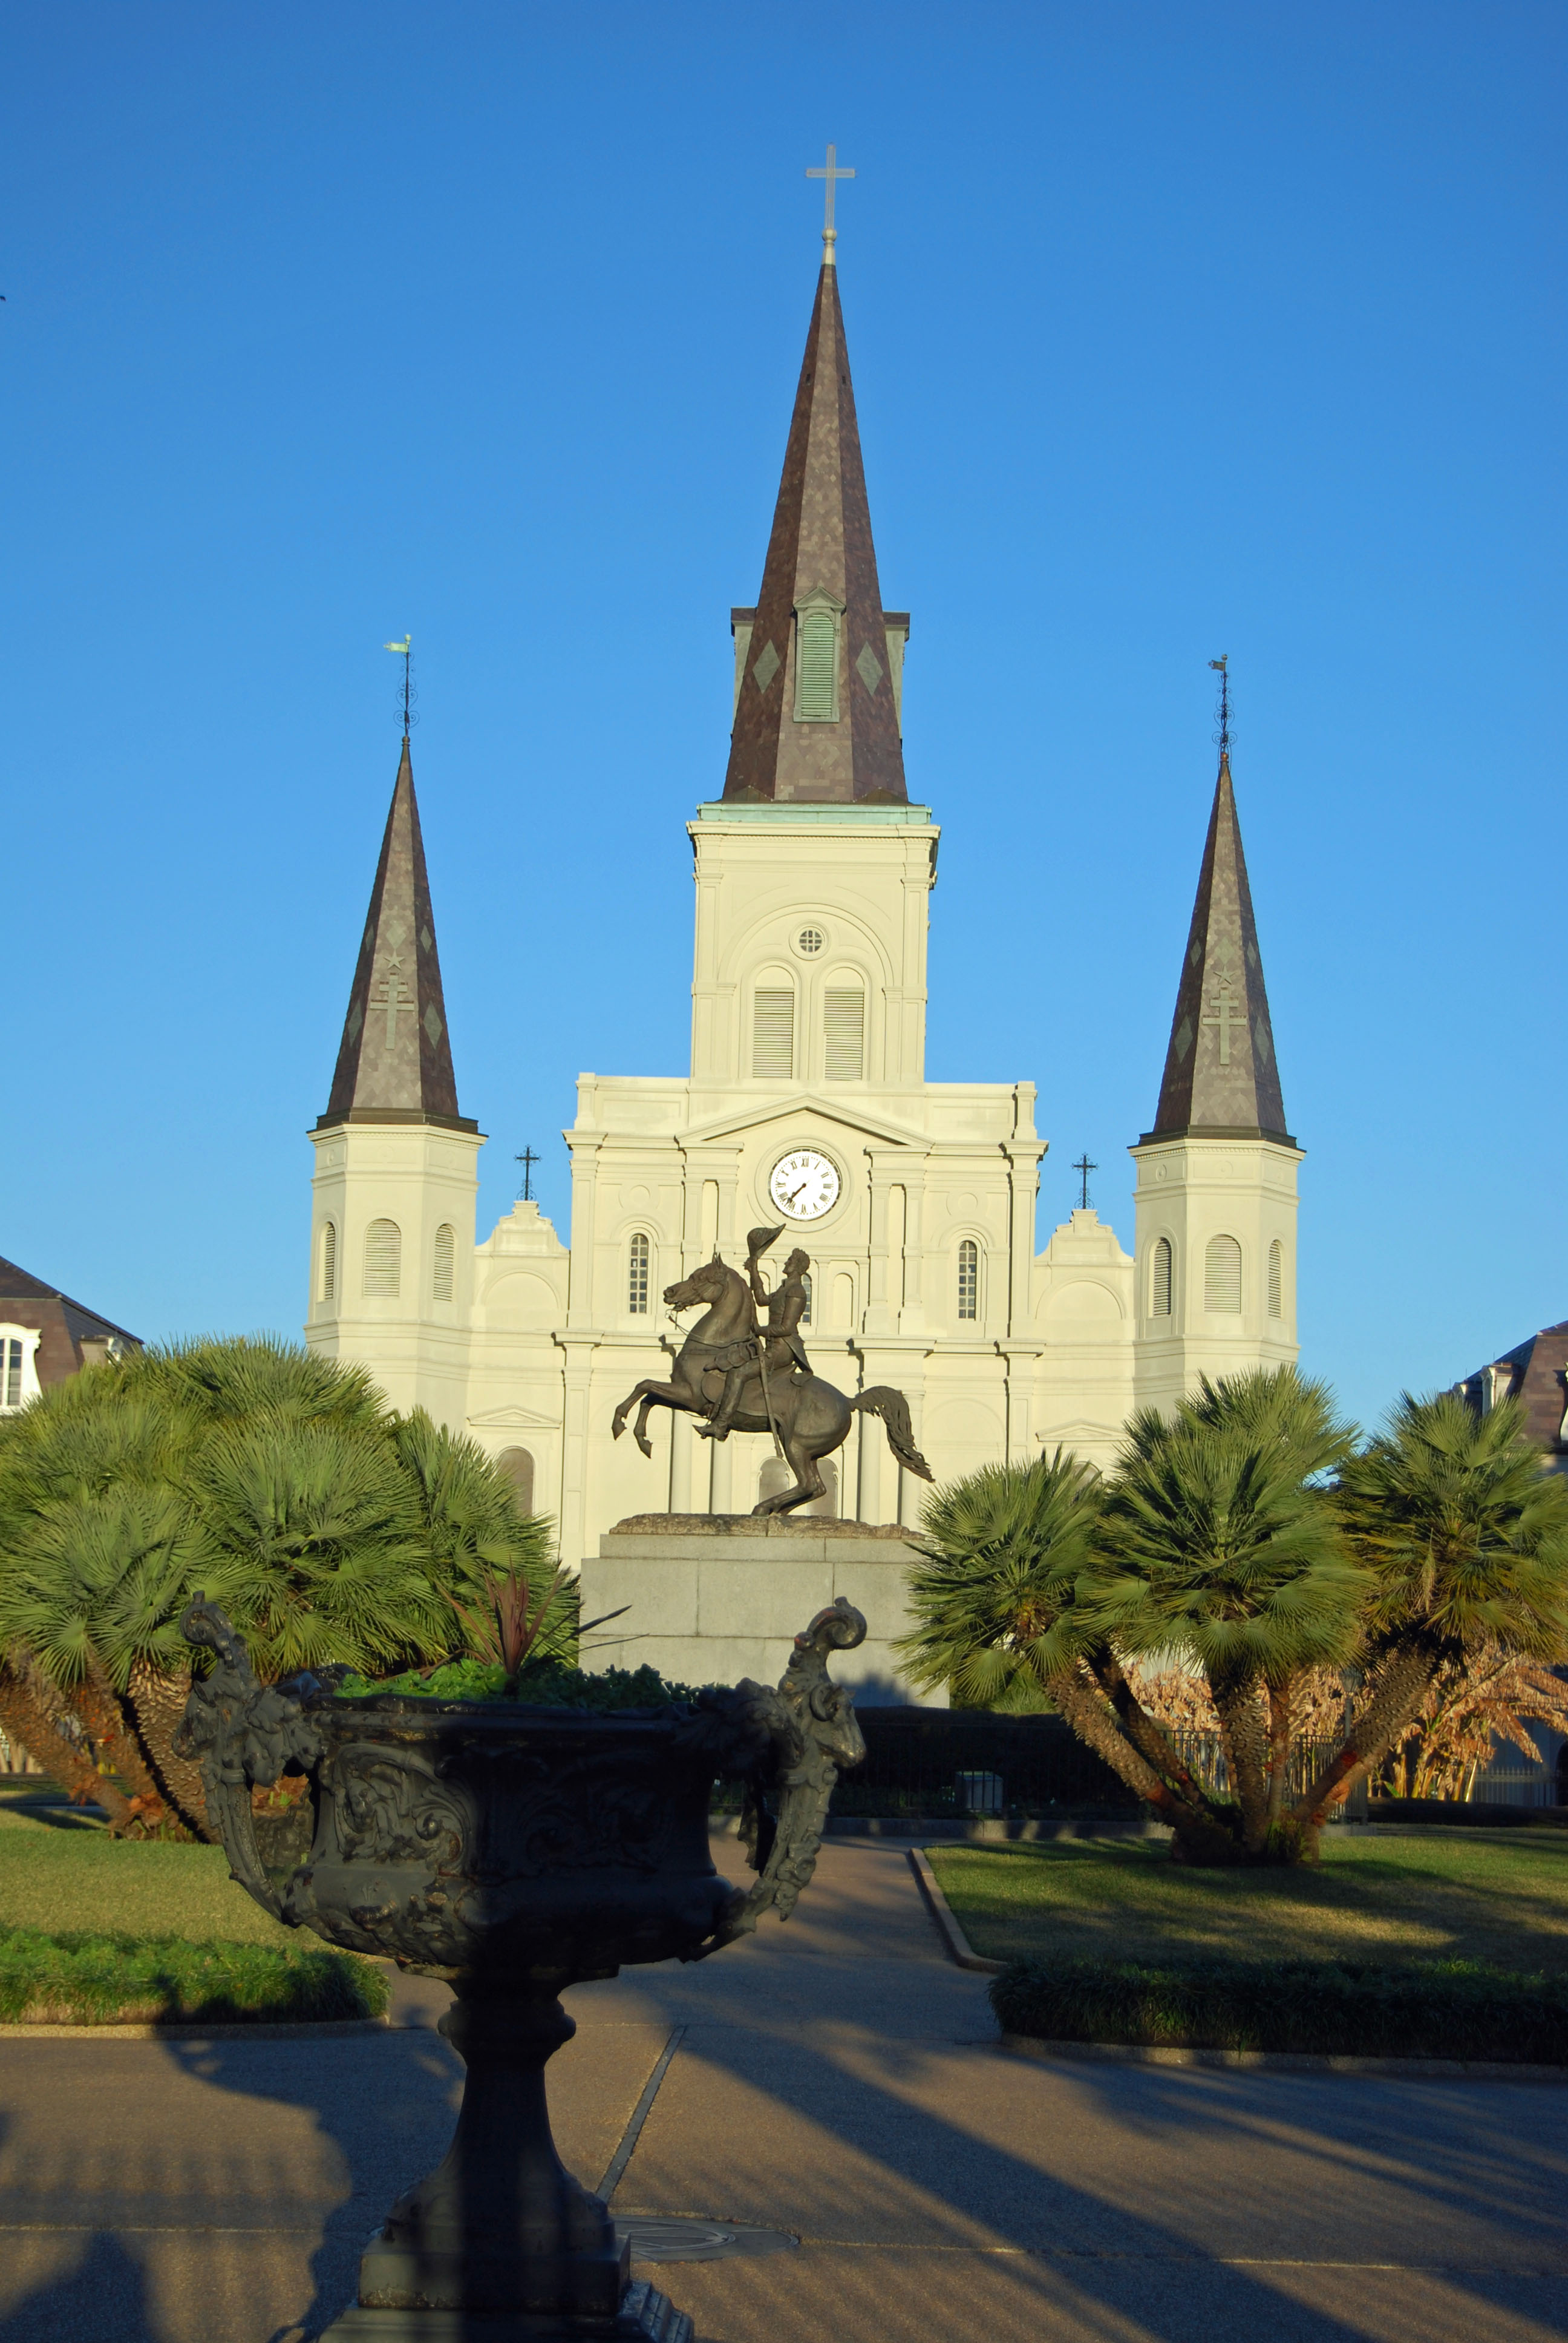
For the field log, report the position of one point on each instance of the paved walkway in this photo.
(834, 2078)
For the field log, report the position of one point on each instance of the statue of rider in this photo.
(783, 1351)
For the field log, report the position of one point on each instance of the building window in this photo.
(1276, 1280)
(517, 1466)
(329, 1263)
(11, 1380)
(809, 943)
(1159, 1298)
(968, 1279)
(844, 1021)
(806, 1313)
(773, 1033)
(636, 1279)
(1223, 1277)
(382, 1260)
(446, 1255)
(816, 667)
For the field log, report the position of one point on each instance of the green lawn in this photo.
(59, 1872)
(1423, 1898)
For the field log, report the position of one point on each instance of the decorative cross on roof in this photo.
(393, 996)
(1083, 1167)
(528, 1159)
(832, 172)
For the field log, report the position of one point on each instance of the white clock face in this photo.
(804, 1185)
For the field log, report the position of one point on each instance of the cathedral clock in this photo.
(804, 1185)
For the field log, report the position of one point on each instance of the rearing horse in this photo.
(812, 1417)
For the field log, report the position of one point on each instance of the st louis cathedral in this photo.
(806, 1102)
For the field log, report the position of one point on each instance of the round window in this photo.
(810, 942)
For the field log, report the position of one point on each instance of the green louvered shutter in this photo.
(816, 658)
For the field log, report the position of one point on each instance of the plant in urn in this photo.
(514, 1851)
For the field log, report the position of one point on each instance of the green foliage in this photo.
(1447, 2009)
(1213, 1545)
(994, 1603)
(1465, 1536)
(543, 1684)
(99, 1980)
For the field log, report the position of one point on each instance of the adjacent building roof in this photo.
(1536, 1375)
(1222, 1081)
(795, 740)
(395, 1060)
(70, 1335)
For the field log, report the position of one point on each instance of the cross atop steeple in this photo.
(831, 172)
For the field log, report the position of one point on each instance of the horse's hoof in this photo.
(646, 1445)
(616, 1428)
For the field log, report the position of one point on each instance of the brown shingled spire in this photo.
(829, 734)
(394, 1062)
(1221, 1078)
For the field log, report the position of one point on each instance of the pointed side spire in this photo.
(1221, 1076)
(395, 1060)
(829, 734)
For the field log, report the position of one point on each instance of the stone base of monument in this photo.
(645, 2316)
(711, 1597)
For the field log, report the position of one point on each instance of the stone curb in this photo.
(1284, 2062)
(956, 1944)
(299, 2030)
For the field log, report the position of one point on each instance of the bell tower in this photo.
(1216, 1196)
(392, 1232)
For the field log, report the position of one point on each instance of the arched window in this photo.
(773, 1032)
(327, 1283)
(636, 1277)
(844, 1032)
(519, 1467)
(446, 1255)
(1223, 1277)
(1159, 1282)
(382, 1260)
(843, 1303)
(1276, 1280)
(806, 1313)
(968, 1279)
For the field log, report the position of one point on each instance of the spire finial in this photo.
(832, 171)
(405, 651)
(1083, 1167)
(1221, 665)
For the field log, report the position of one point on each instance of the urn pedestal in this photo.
(515, 1851)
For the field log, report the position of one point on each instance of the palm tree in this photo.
(1464, 1539)
(331, 1529)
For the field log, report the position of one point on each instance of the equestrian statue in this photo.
(743, 1367)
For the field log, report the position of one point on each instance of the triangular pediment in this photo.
(513, 1419)
(843, 1112)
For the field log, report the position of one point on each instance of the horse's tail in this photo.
(894, 1410)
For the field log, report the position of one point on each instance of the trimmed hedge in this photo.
(106, 1980)
(548, 1684)
(1449, 2009)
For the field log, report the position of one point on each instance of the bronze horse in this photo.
(812, 1417)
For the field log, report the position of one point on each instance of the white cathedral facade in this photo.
(805, 1101)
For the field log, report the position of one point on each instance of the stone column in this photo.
(721, 1475)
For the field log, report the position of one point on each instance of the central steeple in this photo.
(819, 662)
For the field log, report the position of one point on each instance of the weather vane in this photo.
(528, 1159)
(1222, 667)
(832, 171)
(405, 651)
(1083, 1167)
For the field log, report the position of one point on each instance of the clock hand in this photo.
(801, 1190)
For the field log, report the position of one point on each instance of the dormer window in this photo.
(819, 616)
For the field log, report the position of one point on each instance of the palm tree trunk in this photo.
(27, 1722)
(1199, 1838)
(157, 1698)
(1406, 1678)
(98, 1706)
(1148, 1737)
(1242, 1715)
(1281, 1699)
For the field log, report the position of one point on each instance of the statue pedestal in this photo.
(715, 1596)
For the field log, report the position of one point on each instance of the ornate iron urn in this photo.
(515, 1851)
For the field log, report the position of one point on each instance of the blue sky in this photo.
(1175, 330)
